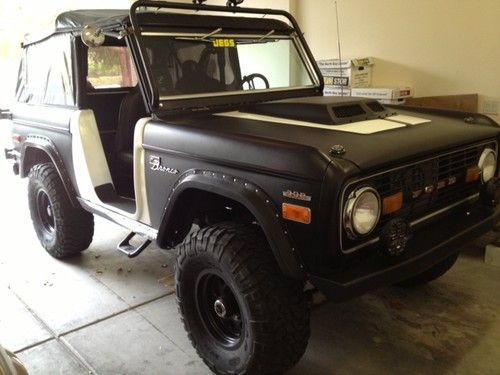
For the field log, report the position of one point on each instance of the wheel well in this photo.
(211, 197)
(202, 208)
(33, 156)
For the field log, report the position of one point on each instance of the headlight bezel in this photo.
(487, 152)
(350, 207)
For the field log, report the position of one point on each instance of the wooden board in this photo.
(464, 103)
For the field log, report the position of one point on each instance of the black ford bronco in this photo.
(204, 128)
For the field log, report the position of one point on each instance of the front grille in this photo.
(445, 175)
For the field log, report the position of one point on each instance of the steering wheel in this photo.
(250, 79)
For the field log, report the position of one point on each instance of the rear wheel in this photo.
(431, 274)
(241, 314)
(62, 229)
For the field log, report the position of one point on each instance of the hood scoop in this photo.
(322, 110)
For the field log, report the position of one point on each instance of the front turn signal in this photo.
(296, 213)
(392, 203)
(473, 174)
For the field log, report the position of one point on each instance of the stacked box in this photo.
(392, 102)
(345, 74)
(385, 95)
(336, 91)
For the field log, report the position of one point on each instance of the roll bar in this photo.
(151, 91)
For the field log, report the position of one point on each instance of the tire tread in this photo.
(74, 226)
(280, 312)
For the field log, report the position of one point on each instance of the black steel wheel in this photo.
(63, 230)
(219, 309)
(45, 213)
(241, 313)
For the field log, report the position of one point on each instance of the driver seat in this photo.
(194, 80)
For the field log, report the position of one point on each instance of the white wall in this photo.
(440, 47)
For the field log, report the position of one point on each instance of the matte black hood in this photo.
(367, 151)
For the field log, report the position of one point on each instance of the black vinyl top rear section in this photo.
(76, 20)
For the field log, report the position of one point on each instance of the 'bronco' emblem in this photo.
(155, 165)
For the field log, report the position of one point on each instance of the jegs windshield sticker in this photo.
(224, 43)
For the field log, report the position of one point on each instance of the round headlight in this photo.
(362, 212)
(488, 164)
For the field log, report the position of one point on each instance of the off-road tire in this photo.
(431, 274)
(70, 230)
(274, 310)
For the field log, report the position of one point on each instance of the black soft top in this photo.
(75, 21)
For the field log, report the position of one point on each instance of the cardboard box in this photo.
(336, 91)
(400, 101)
(347, 72)
(383, 93)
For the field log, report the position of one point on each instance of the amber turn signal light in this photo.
(296, 213)
(473, 174)
(392, 203)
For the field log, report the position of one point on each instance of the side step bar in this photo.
(130, 250)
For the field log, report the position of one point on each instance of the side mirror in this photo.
(5, 114)
(234, 3)
(92, 36)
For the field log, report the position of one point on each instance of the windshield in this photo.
(197, 65)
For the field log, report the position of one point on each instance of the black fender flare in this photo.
(250, 196)
(46, 145)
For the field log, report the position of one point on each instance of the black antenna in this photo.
(340, 49)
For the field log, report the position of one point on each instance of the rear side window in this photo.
(45, 75)
(110, 67)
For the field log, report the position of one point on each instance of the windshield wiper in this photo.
(216, 31)
(200, 39)
(266, 36)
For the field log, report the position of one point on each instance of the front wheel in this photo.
(241, 314)
(63, 230)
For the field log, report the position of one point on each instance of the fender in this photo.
(250, 196)
(46, 145)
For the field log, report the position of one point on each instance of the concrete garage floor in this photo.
(102, 313)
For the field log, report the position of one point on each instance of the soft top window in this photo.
(110, 67)
(45, 73)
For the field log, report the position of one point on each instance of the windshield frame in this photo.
(202, 37)
(211, 101)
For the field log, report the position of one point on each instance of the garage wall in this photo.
(440, 47)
